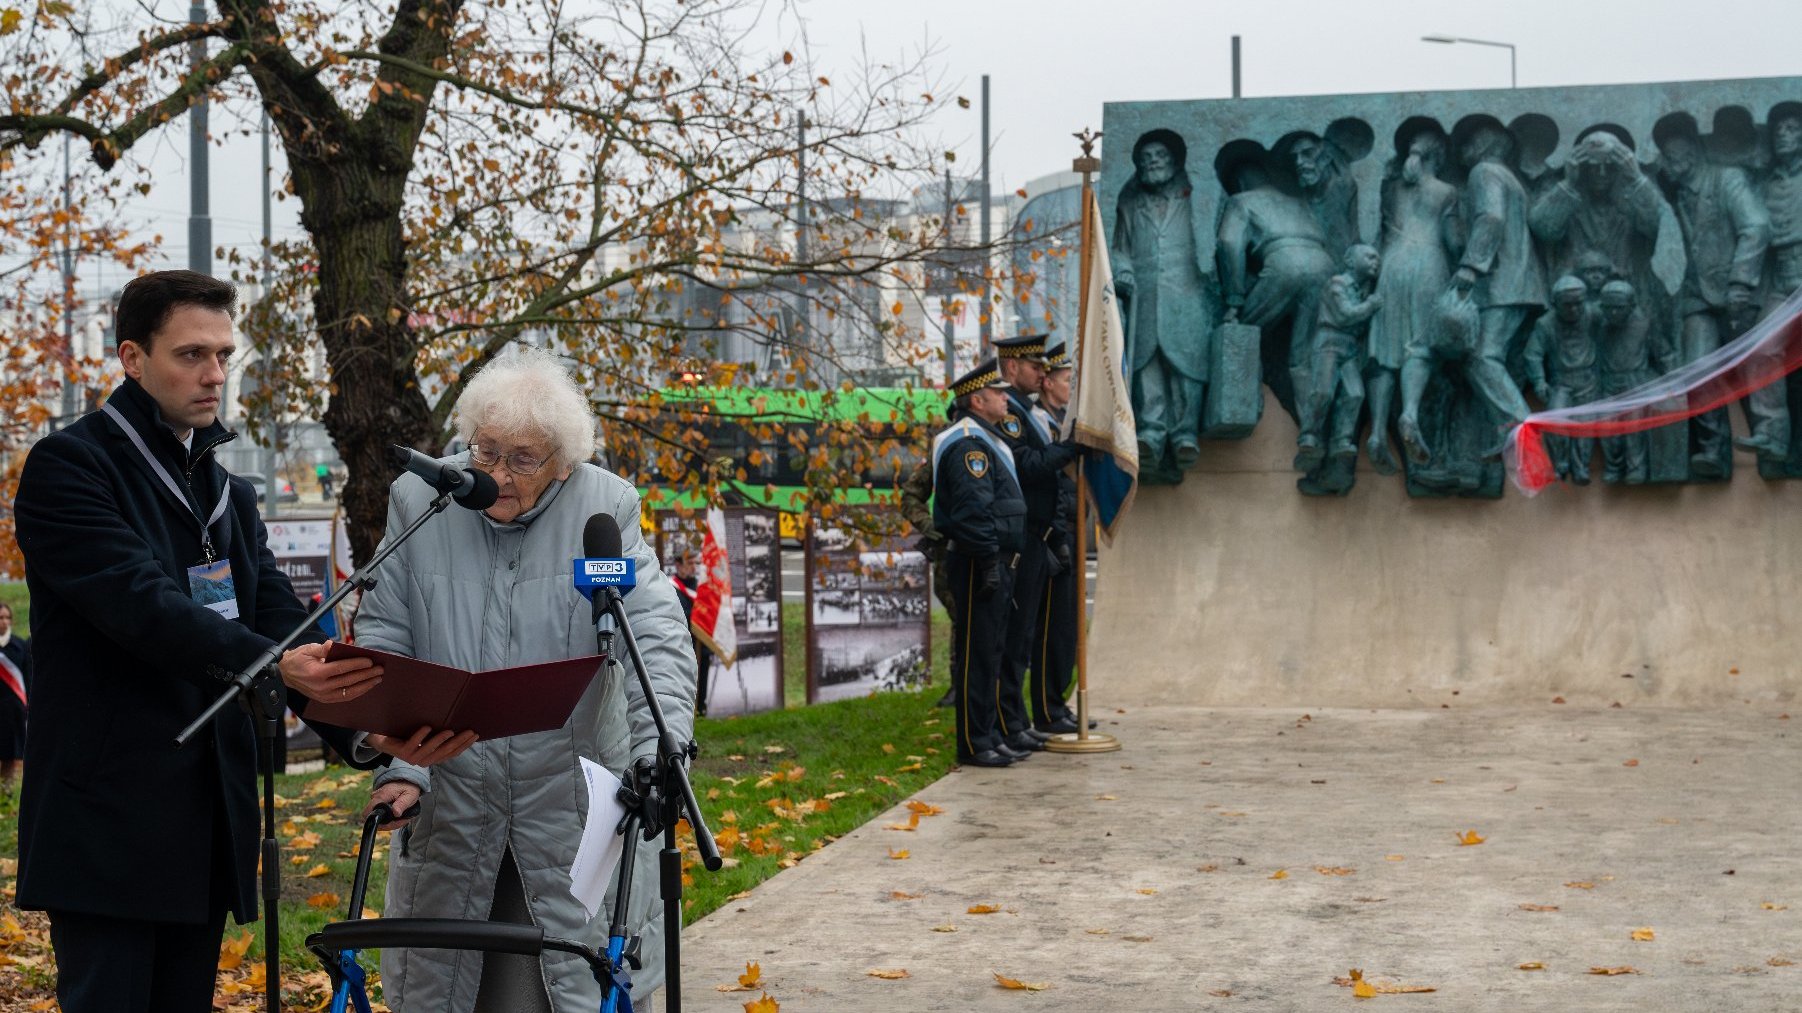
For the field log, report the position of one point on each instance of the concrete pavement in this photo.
(1147, 879)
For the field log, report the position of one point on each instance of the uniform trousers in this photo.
(978, 625)
(1054, 653)
(1030, 574)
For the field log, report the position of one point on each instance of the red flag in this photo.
(712, 618)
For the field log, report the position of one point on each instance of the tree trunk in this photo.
(361, 310)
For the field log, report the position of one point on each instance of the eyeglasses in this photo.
(519, 464)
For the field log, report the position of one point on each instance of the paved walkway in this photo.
(1147, 879)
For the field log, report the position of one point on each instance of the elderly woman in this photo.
(499, 825)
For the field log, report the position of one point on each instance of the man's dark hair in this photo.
(145, 304)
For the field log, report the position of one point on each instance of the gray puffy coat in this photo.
(470, 592)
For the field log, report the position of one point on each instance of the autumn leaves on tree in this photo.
(629, 183)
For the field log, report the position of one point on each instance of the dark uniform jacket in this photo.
(976, 501)
(115, 820)
(1040, 462)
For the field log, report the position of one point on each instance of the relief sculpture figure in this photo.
(1418, 230)
(1782, 190)
(1628, 355)
(1499, 271)
(1159, 274)
(1726, 233)
(1336, 387)
(1561, 365)
(1274, 265)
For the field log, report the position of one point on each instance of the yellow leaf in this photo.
(1780, 962)
(1362, 989)
(1643, 935)
(903, 895)
(231, 951)
(910, 768)
(327, 803)
(753, 974)
(898, 855)
(889, 974)
(321, 869)
(1333, 870)
(1470, 837)
(1105, 798)
(1623, 969)
(10, 20)
(1581, 885)
(983, 909)
(1280, 874)
(1005, 982)
(1404, 989)
(923, 808)
(1148, 890)
(763, 1004)
(1394, 858)
(1531, 965)
(888, 748)
(1096, 932)
(1768, 906)
(323, 900)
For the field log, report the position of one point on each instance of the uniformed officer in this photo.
(976, 506)
(1054, 652)
(1041, 459)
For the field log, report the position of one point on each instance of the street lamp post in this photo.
(1513, 78)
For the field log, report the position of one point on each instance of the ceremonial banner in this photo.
(1101, 416)
(1767, 353)
(712, 619)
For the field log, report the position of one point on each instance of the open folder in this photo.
(493, 704)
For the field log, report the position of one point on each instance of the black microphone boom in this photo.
(470, 487)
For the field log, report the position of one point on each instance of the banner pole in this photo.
(1082, 741)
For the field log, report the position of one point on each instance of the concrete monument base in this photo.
(1230, 589)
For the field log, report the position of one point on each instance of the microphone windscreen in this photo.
(483, 494)
(601, 539)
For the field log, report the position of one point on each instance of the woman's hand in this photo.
(400, 796)
(424, 747)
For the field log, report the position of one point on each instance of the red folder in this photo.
(493, 704)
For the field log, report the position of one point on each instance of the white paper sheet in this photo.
(600, 849)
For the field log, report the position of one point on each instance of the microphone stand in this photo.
(678, 798)
(259, 688)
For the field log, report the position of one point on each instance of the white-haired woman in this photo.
(499, 824)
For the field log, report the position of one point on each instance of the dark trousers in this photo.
(117, 965)
(977, 628)
(1022, 635)
(1054, 652)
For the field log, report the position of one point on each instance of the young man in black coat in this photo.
(151, 584)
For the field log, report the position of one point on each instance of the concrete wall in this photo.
(1234, 589)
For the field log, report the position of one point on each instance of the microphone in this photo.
(603, 567)
(470, 487)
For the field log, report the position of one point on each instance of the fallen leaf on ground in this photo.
(753, 974)
(1210, 867)
(944, 928)
(1333, 870)
(1096, 932)
(1105, 798)
(1137, 939)
(1148, 890)
(321, 869)
(1780, 962)
(323, 900)
(889, 973)
(1557, 699)
(1630, 763)
(1581, 884)
(982, 909)
(913, 823)
(908, 769)
(1280, 874)
(1394, 858)
(1623, 969)
(1005, 982)
(1768, 906)
(903, 895)
(924, 808)
(1220, 992)
(1531, 965)
(1538, 907)
(763, 1004)
(1643, 935)
(898, 855)
(1470, 837)
(231, 951)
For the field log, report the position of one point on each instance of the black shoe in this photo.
(1011, 753)
(1093, 724)
(1037, 733)
(1065, 725)
(1024, 742)
(986, 758)
(949, 699)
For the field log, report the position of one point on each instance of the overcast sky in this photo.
(1053, 63)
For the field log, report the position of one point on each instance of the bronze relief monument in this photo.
(1409, 275)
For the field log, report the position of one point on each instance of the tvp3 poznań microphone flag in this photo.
(1101, 415)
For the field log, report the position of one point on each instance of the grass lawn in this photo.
(776, 787)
